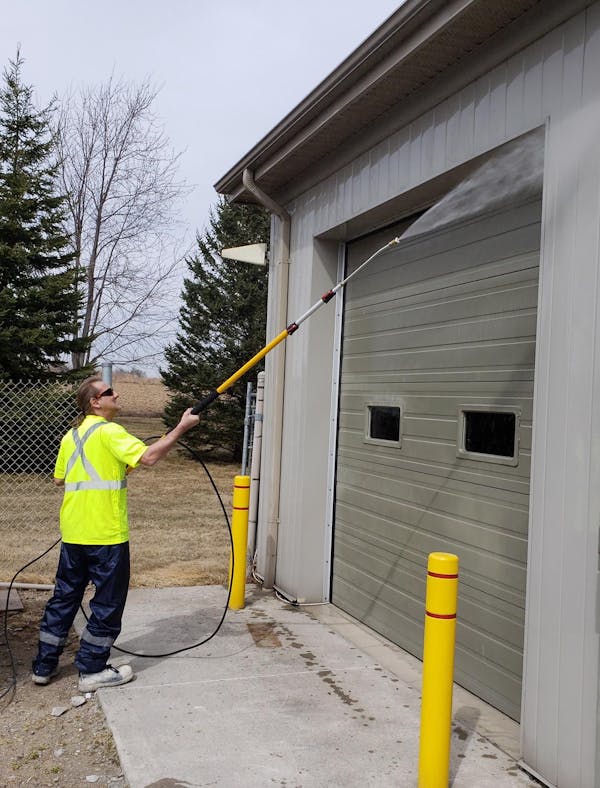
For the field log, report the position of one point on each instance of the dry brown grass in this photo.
(177, 528)
(140, 396)
(29, 506)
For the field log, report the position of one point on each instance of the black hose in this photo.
(219, 625)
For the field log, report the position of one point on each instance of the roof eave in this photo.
(409, 17)
(422, 49)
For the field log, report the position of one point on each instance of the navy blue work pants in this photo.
(107, 567)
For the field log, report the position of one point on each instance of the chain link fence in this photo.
(178, 533)
(34, 416)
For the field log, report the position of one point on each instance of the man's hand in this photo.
(163, 446)
(188, 420)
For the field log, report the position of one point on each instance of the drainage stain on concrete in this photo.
(264, 635)
(289, 636)
(328, 678)
(256, 613)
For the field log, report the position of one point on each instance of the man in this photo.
(92, 464)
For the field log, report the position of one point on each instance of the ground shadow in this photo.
(192, 631)
(464, 723)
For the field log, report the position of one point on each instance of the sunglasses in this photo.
(105, 393)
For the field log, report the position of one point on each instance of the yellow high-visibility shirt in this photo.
(92, 461)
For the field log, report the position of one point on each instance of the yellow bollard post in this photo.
(239, 532)
(438, 670)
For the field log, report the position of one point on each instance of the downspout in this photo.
(275, 401)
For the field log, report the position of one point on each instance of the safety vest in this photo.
(92, 461)
(94, 482)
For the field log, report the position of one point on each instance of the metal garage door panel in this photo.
(445, 321)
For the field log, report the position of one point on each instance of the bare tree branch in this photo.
(121, 177)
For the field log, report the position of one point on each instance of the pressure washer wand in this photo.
(325, 298)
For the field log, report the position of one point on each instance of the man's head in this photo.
(97, 398)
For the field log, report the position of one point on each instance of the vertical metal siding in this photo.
(554, 80)
(559, 719)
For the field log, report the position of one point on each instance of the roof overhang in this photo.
(403, 58)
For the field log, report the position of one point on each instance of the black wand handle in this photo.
(204, 403)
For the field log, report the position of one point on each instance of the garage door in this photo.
(434, 440)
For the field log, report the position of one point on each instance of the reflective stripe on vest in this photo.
(95, 482)
(95, 485)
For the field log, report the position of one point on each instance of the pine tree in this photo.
(38, 292)
(221, 326)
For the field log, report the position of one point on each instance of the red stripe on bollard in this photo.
(439, 615)
(443, 577)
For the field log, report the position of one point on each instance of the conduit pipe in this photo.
(33, 586)
(255, 465)
(274, 394)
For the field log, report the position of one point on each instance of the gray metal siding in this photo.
(445, 321)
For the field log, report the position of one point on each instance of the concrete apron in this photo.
(11, 603)
(282, 695)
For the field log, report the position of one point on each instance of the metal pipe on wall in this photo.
(33, 586)
(107, 372)
(275, 392)
(246, 428)
(255, 464)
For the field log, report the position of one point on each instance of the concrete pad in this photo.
(14, 603)
(296, 697)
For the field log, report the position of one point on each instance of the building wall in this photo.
(555, 82)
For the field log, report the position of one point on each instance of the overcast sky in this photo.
(229, 70)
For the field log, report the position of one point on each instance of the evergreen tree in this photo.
(38, 293)
(222, 325)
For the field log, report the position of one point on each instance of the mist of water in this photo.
(512, 174)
